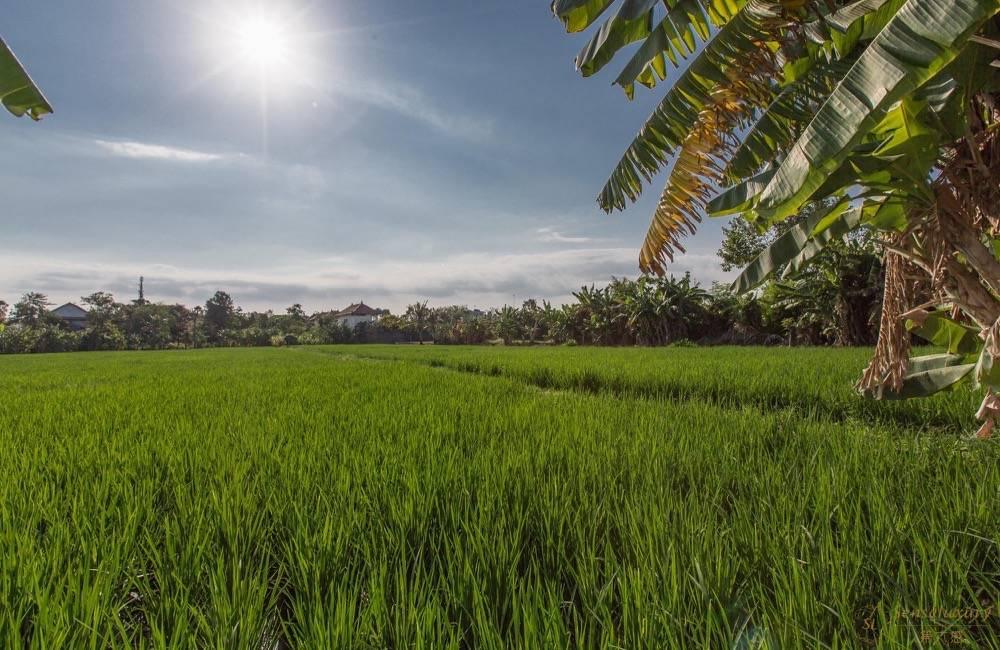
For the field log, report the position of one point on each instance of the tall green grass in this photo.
(289, 498)
(815, 382)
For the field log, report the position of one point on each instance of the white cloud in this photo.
(474, 278)
(146, 151)
(550, 235)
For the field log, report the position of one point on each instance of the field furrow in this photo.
(817, 385)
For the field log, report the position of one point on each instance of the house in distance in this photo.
(73, 315)
(355, 314)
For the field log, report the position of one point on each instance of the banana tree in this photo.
(884, 112)
(18, 92)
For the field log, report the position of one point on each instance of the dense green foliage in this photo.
(835, 297)
(646, 311)
(230, 498)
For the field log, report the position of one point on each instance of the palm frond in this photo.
(784, 118)
(578, 15)
(673, 39)
(738, 57)
(696, 172)
(922, 38)
(633, 22)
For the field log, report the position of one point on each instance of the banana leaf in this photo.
(18, 92)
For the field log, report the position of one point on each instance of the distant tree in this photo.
(549, 319)
(392, 322)
(473, 331)
(31, 309)
(362, 333)
(418, 317)
(392, 328)
(36, 329)
(532, 318)
(102, 307)
(508, 324)
(571, 324)
(735, 318)
(742, 242)
(3, 311)
(645, 308)
(181, 325)
(148, 326)
(454, 324)
(294, 321)
(197, 322)
(327, 329)
(834, 299)
(219, 314)
(600, 315)
(103, 332)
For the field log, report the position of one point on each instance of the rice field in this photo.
(421, 497)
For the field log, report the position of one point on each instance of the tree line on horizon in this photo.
(835, 302)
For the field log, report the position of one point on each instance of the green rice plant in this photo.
(292, 497)
(816, 382)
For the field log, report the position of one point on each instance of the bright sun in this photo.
(264, 48)
(262, 41)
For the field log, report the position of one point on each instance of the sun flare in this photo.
(262, 42)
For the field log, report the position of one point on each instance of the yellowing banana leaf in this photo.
(779, 123)
(677, 113)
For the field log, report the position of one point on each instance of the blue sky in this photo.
(440, 150)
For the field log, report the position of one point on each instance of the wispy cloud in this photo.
(147, 151)
(550, 235)
(412, 103)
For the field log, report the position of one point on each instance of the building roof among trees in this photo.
(70, 310)
(359, 309)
